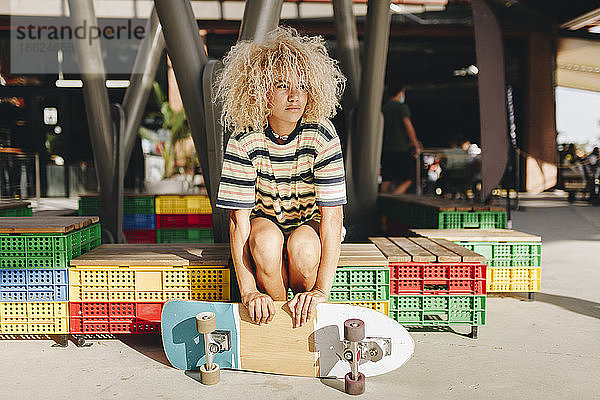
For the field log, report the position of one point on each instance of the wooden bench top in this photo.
(162, 254)
(437, 203)
(8, 204)
(352, 254)
(477, 235)
(44, 224)
(420, 249)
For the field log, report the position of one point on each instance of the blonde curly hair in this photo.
(251, 69)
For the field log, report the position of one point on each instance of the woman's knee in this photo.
(304, 257)
(267, 250)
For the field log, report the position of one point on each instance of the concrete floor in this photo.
(546, 349)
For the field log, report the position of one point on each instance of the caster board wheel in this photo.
(206, 322)
(316, 349)
(352, 386)
(211, 377)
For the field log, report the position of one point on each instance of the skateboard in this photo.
(338, 342)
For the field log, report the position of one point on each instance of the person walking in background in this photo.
(400, 144)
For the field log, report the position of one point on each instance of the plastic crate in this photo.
(197, 235)
(514, 279)
(88, 206)
(423, 310)
(42, 259)
(16, 212)
(34, 318)
(138, 205)
(140, 235)
(184, 220)
(469, 219)
(381, 306)
(21, 285)
(139, 221)
(192, 204)
(507, 254)
(361, 284)
(437, 278)
(121, 317)
(148, 284)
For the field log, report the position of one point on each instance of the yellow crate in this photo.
(381, 306)
(514, 279)
(148, 284)
(193, 204)
(34, 318)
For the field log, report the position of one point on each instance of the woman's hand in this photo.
(260, 307)
(304, 304)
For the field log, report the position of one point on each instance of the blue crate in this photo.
(139, 221)
(17, 285)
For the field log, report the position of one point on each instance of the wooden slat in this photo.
(467, 255)
(361, 254)
(286, 348)
(477, 235)
(44, 224)
(390, 250)
(417, 253)
(156, 254)
(442, 254)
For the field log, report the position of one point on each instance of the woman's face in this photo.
(288, 102)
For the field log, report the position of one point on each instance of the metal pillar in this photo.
(347, 49)
(144, 71)
(188, 57)
(260, 17)
(492, 96)
(368, 135)
(102, 131)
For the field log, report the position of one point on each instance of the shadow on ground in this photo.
(573, 304)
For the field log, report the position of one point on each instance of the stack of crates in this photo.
(126, 294)
(34, 271)
(434, 283)
(184, 219)
(139, 219)
(513, 258)
(15, 209)
(423, 212)
(362, 278)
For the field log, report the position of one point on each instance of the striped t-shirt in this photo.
(284, 182)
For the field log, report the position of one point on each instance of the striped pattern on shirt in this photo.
(284, 182)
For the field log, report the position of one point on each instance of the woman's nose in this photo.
(293, 93)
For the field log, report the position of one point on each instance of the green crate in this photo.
(425, 310)
(470, 219)
(16, 212)
(42, 259)
(508, 254)
(88, 206)
(95, 232)
(138, 205)
(198, 235)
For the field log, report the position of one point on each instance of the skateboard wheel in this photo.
(354, 330)
(352, 386)
(206, 322)
(211, 377)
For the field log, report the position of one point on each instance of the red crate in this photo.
(140, 235)
(127, 317)
(183, 220)
(437, 278)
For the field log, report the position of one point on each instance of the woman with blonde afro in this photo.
(283, 174)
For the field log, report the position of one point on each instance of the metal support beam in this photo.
(188, 57)
(99, 116)
(144, 72)
(260, 17)
(492, 96)
(367, 138)
(347, 49)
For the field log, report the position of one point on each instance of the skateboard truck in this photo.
(357, 349)
(214, 342)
